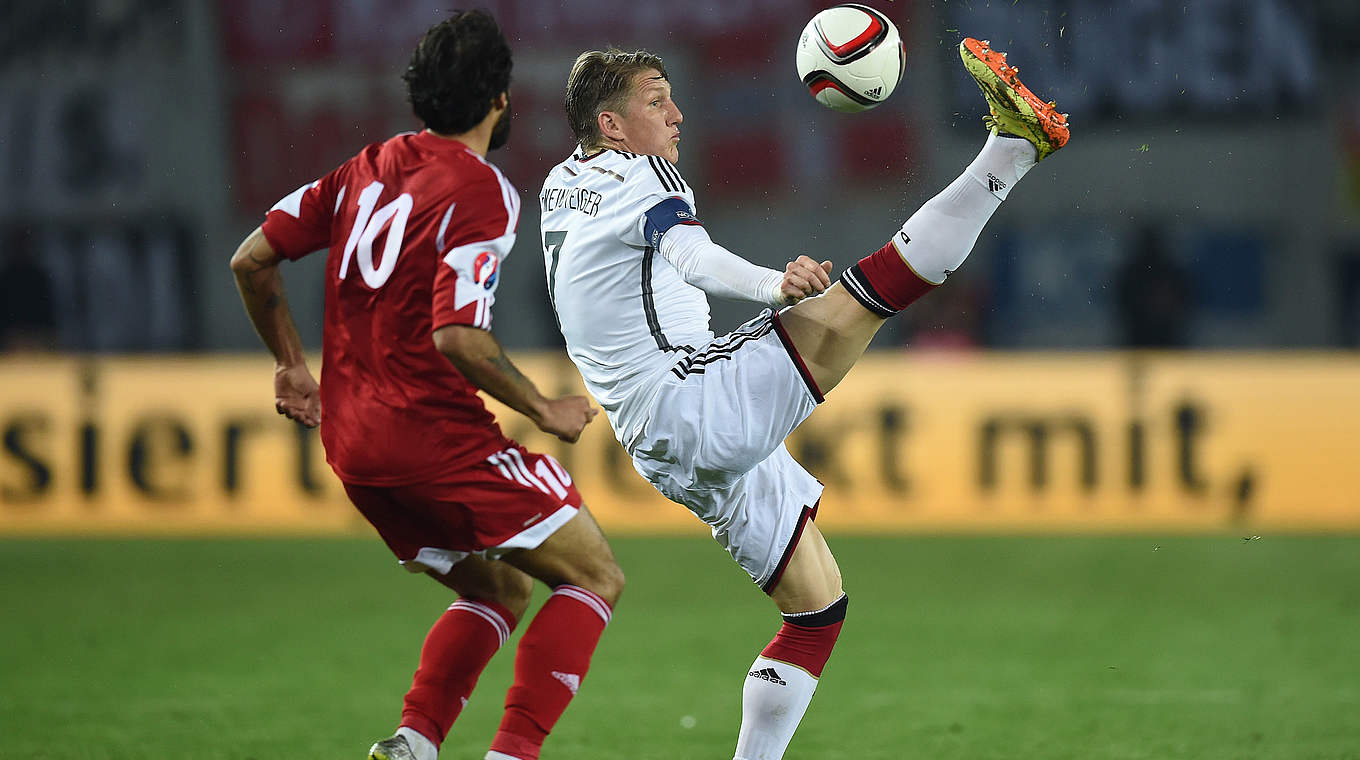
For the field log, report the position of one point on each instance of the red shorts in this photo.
(514, 499)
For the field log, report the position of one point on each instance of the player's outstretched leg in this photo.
(832, 332)
(1015, 110)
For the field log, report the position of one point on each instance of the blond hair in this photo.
(600, 81)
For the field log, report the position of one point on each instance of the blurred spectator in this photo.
(28, 316)
(1154, 295)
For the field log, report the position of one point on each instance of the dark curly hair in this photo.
(459, 67)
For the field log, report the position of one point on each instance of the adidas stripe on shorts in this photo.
(714, 442)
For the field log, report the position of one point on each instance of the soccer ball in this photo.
(850, 57)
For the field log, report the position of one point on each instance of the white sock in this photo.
(494, 755)
(423, 748)
(940, 235)
(773, 700)
(1002, 162)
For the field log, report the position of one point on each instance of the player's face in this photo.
(500, 134)
(651, 122)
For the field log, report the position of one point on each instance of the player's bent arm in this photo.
(256, 268)
(719, 272)
(716, 270)
(479, 356)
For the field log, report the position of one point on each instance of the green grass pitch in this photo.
(955, 648)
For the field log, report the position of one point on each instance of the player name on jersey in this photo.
(581, 199)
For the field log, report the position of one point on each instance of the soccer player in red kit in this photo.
(417, 228)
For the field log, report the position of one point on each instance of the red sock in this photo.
(552, 660)
(806, 639)
(883, 282)
(456, 650)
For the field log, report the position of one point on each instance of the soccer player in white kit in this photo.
(704, 418)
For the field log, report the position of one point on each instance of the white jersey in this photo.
(639, 334)
(626, 313)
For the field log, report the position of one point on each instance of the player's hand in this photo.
(566, 417)
(296, 394)
(804, 277)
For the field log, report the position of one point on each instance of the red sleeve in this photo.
(301, 222)
(480, 234)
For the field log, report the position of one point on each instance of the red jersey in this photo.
(417, 228)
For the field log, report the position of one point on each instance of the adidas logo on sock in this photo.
(768, 674)
(571, 680)
(994, 184)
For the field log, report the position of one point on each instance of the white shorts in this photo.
(713, 441)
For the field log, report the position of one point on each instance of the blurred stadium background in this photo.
(1156, 334)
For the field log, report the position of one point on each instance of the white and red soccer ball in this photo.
(851, 57)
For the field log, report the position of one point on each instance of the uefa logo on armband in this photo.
(485, 269)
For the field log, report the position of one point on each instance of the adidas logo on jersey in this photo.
(571, 680)
(768, 674)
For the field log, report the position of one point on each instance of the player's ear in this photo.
(609, 125)
(501, 101)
